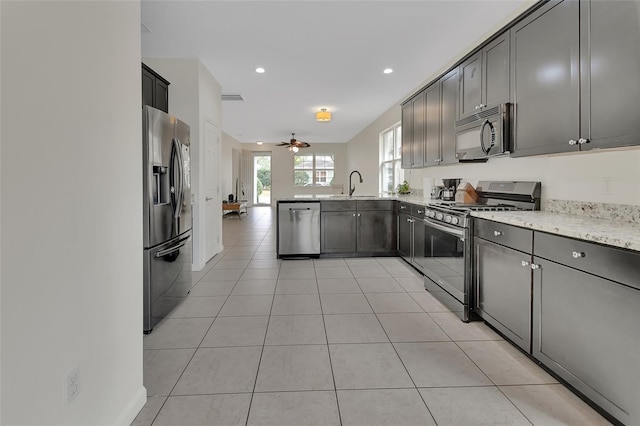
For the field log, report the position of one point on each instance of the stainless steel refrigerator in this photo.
(167, 213)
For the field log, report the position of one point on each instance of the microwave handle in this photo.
(493, 136)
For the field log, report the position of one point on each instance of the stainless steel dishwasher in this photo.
(298, 228)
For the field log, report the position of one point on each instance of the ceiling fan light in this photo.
(295, 149)
(323, 115)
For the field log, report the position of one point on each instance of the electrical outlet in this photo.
(72, 385)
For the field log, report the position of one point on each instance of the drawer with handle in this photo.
(417, 210)
(608, 262)
(404, 208)
(506, 235)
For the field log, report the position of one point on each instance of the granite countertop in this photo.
(616, 233)
(328, 197)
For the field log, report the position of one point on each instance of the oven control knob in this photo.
(439, 216)
(455, 220)
(431, 213)
(447, 218)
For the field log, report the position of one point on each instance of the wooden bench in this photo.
(239, 207)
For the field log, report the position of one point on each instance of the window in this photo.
(313, 169)
(391, 174)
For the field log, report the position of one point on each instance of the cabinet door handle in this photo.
(534, 266)
(497, 233)
(359, 214)
(525, 263)
(577, 254)
(354, 215)
(582, 140)
(572, 142)
(420, 211)
(403, 207)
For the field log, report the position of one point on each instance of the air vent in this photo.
(232, 97)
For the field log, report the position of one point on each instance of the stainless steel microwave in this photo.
(484, 134)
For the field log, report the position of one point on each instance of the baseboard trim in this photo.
(130, 412)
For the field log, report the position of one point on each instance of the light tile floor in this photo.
(333, 342)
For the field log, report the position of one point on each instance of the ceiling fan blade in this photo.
(300, 144)
(283, 144)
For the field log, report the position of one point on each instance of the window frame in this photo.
(314, 168)
(395, 162)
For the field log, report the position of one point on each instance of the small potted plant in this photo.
(404, 188)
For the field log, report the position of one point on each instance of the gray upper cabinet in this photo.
(546, 79)
(432, 125)
(610, 65)
(470, 82)
(448, 114)
(441, 100)
(155, 89)
(407, 134)
(417, 144)
(496, 87)
(484, 77)
(413, 127)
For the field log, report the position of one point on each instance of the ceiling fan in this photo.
(294, 145)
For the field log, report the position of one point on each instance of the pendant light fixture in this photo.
(323, 115)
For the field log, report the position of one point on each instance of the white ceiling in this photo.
(317, 54)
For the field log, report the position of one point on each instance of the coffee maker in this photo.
(449, 191)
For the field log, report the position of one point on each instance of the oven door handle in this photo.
(449, 230)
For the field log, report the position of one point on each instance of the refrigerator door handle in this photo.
(172, 249)
(177, 186)
(182, 180)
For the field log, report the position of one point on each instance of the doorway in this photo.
(261, 178)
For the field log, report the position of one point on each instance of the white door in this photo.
(212, 201)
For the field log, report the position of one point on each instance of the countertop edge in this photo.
(618, 234)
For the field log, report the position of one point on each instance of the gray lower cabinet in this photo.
(366, 227)
(502, 279)
(586, 314)
(405, 236)
(338, 232)
(545, 51)
(376, 232)
(411, 233)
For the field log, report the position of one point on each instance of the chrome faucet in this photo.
(353, 188)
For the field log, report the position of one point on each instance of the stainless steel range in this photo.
(447, 262)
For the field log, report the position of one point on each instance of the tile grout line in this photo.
(326, 336)
(403, 364)
(264, 341)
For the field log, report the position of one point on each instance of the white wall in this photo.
(364, 151)
(576, 176)
(194, 97)
(71, 212)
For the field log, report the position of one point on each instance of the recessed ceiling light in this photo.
(260, 70)
(387, 71)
